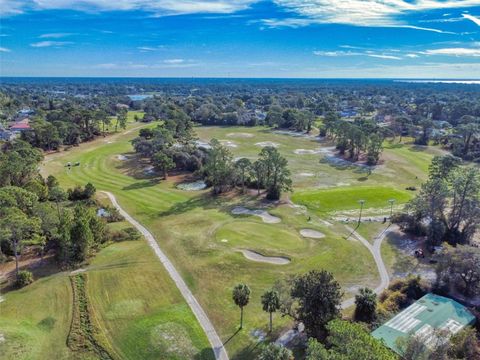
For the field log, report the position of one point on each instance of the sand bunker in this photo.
(267, 143)
(122, 157)
(309, 233)
(254, 256)
(192, 186)
(202, 144)
(264, 215)
(228, 143)
(2, 338)
(306, 174)
(307, 152)
(2, 299)
(295, 134)
(240, 135)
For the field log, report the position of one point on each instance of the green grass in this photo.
(133, 297)
(35, 320)
(347, 198)
(189, 227)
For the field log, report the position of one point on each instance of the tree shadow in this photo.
(231, 336)
(205, 354)
(248, 352)
(141, 184)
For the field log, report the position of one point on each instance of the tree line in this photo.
(37, 212)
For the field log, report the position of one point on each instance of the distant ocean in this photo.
(225, 80)
(468, 82)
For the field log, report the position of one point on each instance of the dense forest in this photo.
(358, 115)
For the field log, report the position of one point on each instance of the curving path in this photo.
(375, 250)
(217, 345)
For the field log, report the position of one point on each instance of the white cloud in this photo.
(412, 55)
(337, 53)
(161, 7)
(150, 48)
(42, 44)
(388, 57)
(355, 53)
(454, 52)
(476, 20)
(174, 61)
(367, 12)
(54, 35)
(4, 49)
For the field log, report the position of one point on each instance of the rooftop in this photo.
(422, 318)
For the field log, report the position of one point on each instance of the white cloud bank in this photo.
(42, 44)
(162, 7)
(367, 12)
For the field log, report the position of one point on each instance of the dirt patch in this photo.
(202, 144)
(307, 151)
(264, 215)
(240, 135)
(275, 260)
(267, 143)
(228, 143)
(173, 341)
(122, 157)
(294, 134)
(310, 233)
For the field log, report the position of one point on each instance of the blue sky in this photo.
(242, 38)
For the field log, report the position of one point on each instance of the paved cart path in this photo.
(217, 345)
(375, 250)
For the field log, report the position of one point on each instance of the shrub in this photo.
(125, 234)
(24, 278)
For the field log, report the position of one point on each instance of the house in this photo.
(20, 127)
(432, 319)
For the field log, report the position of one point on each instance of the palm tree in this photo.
(241, 297)
(365, 305)
(271, 303)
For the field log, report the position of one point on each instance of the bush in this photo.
(125, 234)
(24, 278)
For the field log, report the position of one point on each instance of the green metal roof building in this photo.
(422, 318)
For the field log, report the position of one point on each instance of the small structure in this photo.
(424, 319)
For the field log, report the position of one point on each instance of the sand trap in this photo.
(192, 186)
(266, 217)
(254, 256)
(122, 157)
(228, 143)
(267, 143)
(202, 144)
(294, 134)
(309, 233)
(307, 152)
(2, 338)
(240, 135)
(306, 174)
(224, 240)
(2, 299)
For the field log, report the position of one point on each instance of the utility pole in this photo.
(361, 202)
(391, 201)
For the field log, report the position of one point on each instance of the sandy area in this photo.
(254, 256)
(122, 157)
(240, 135)
(309, 233)
(267, 143)
(307, 151)
(228, 143)
(264, 215)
